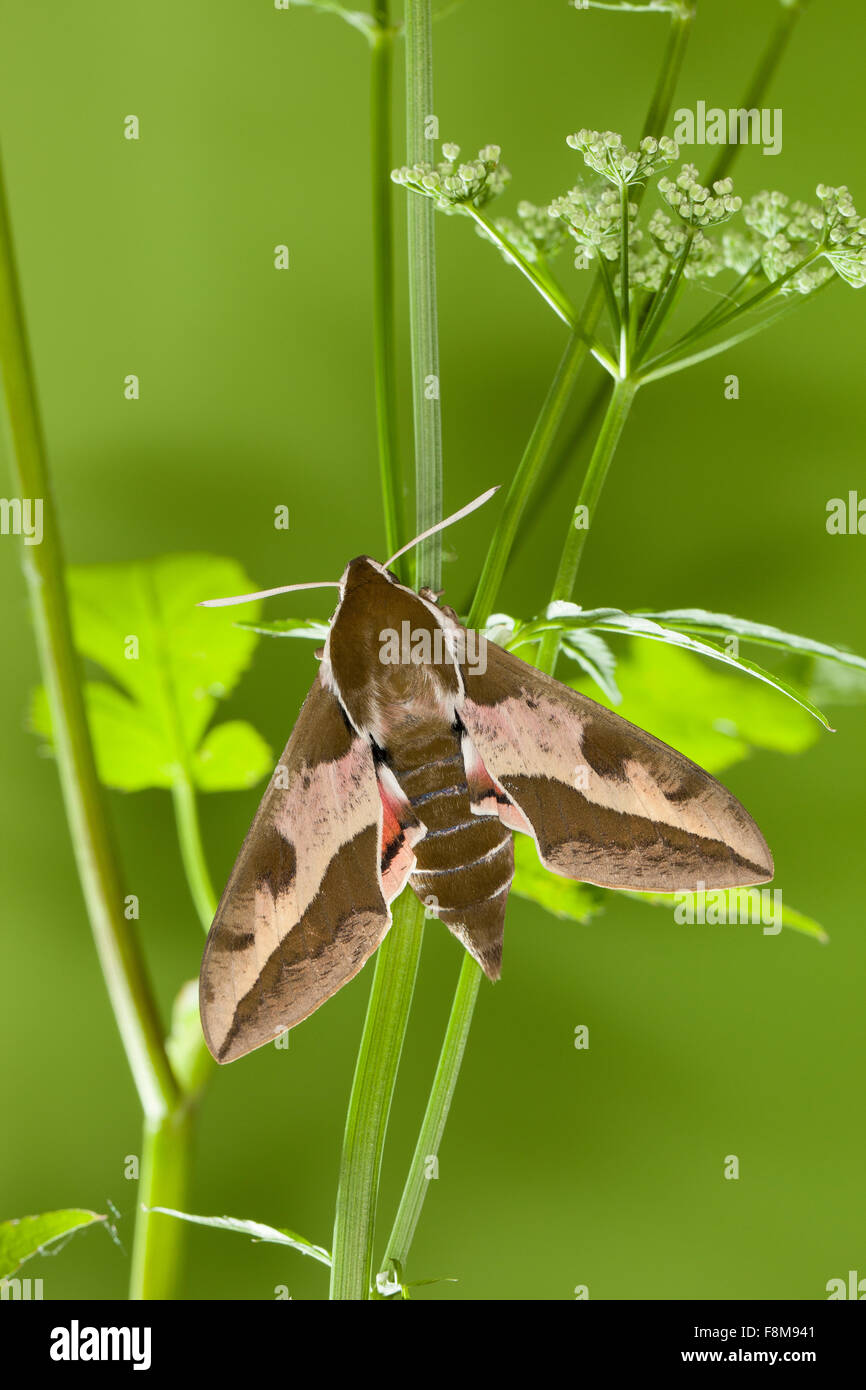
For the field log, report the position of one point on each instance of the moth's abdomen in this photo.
(465, 862)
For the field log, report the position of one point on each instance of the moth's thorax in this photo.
(389, 653)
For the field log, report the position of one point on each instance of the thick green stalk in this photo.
(370, 1101)
(92, 841)
(384, 345)
(398, 956)
(584, 513)
(159, 1240)
(119, 955)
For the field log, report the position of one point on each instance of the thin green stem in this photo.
(192, 849)
(584, 513)
(384, 341)
(663, 302)
(436, 1114)
(761, 78)
(165, 1168)
(701, 330)
(725, 301)
(424, 328)
(540, 441)
(680, 364)
(625, 311)
(613, 309)
(370, 1102)
(672, 60)
(119, 954)
(398, 956)
(544, 285)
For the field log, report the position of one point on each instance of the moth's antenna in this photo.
(266, 593)
(440, 525)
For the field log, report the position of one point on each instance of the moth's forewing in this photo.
(607, 803)
(304, 907)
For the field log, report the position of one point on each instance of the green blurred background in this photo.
(558, 1167)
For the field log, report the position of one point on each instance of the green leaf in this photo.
(564, 897)
(592, 653)
(255, 1229)
(710, 715)
(720, 624)
(739, 904)
(26, 1236)
(232, 755)
(568, 618)
(171, 662)
(312, 628)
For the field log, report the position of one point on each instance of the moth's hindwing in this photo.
(305, 905)
(606, 802)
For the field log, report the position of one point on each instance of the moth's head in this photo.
(361, 571)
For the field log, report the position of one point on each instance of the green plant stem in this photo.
(165, 1167)
(523, 482)
(663, 301)
(192, 849)
(370, 1102)
(424, 328)
(605, 447)
(674, 354)
(662, 98)
(154, 1263)
(436, 1114)
(680, 364)
(545, 285)
(384, 344)
(119, 955)
(761, 79)
(398, 956)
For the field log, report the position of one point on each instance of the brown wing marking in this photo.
(607, 803)
(304, 907)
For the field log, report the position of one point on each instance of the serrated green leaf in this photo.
(721, 624)
(172, 662)
(595, 657)
(312, 628)
(26, 1236)
(256, 1230)
(636, 625)
(564, 897)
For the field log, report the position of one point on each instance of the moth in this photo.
(412, 762)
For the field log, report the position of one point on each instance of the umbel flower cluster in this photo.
(452, 185)
(791, 246)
